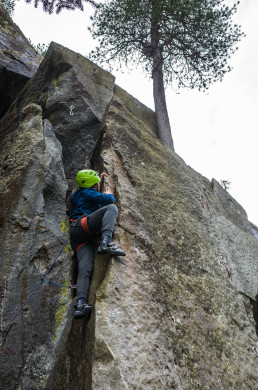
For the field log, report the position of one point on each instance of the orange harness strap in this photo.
(86, 229)
(79, 246)
(85, 225)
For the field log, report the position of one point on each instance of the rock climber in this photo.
(92, 213)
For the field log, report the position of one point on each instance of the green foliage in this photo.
(195, 37)
(50, 6)
(8, 5)
(225, 184)
(42, 48)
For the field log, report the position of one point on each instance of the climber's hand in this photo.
(108, 191)
(102, 176)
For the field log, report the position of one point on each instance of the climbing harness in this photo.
(34, 291)
(57, 284)
(225, 263)
(200, 199)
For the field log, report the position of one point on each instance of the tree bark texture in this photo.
(161, 112)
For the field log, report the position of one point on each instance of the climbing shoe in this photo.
(107, 246)
(82, 309)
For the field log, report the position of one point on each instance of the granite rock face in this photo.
(166, 316)
(170, 310)
(18, 60)
(50, 130)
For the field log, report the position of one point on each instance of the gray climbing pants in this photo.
(101, 221)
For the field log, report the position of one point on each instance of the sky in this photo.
(214, 132)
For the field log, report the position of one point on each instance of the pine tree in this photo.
(186, 43)
(50, 6)
(8, 5)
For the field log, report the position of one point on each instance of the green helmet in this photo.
(87, 178)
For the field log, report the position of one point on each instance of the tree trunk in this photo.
(164, 129)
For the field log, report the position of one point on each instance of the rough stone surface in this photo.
(74, 95)
(33, 187)
(166, 316)
(33, 221)
(18, 60)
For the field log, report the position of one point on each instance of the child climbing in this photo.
(92, 213)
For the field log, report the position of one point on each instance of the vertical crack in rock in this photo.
(73, 369)
(255, 314)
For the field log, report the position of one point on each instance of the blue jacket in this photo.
(87, 200)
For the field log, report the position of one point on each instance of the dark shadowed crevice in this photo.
(251, 309)
(73, 369)
(255, 313)
(11, 84)
(254, 230)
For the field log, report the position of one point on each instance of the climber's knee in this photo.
(113, 207)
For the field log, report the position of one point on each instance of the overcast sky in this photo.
(215, 132)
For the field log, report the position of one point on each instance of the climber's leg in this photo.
(103, 220)
(85, 259)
